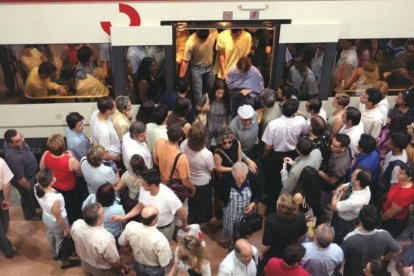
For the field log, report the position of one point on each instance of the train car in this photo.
(115, 26)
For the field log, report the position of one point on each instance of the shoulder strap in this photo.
(175, 165)
(225, 155)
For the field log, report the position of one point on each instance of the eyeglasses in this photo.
(227, 142)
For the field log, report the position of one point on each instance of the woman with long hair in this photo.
(54, 214)
(191, 258)
(146, 82)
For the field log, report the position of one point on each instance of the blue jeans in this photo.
(202, 77)
(54, 234)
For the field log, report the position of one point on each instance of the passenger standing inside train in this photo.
(303, 78)
(23, 165)
(77, 141)
(5, 176)
(103, 131)
(231, 45)
(199, 55)
(347, 62)
(64, 167)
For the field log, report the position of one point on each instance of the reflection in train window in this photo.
(54, 73)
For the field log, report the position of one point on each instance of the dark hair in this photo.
(342, 99)
(304, 146)
(294, 254)
(220, 84)
(343, 139)
(90, 213)
(183, 86)
(197, 137)
(235, 31)
(9, 134)
(144, 71)
(318, 125)
(315, 104)
(202, 34)
(84, 54)
(408, 97)
(44, 178)
(137, 164)
(363, 176)
(174, 133)
(181, 107)
(290, 107)
(400, 140)
(136, 128)
(408, 169)
(268, 97)
(152, 177)
(244, 64)
(47, 69)
(367, 143)
(105, 103)
(105, 195)
(353, 115)
(159, 114)
(147, 221)
(288, 90)
(369, 217)
(374, 95)
(73, 118)
(145, 111)
(378, 268)
(396, 120)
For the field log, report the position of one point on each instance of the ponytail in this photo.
(45, 178)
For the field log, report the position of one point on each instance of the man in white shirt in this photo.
(151, 249)
(347, 201)
(352, 127)
(5, 177)
(242, 261)
(372, 118)
(154, 193)
(280, 139)
(94, 245)
(314, 108)
(158, 129)
(134, 142)
(323, 257)
(103, 131)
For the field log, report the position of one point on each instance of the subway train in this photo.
(148, 23)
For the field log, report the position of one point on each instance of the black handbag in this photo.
(175, 184)
(67, 249)
(249, 223)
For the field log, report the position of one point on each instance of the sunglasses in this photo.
(227, 142)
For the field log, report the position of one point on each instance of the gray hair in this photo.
(268, 96)
(324, 235)
(122, 103)
(137, 128)
(90, 213)
(239, 167)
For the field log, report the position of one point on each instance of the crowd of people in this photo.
(335, 189)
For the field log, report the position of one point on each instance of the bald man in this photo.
(242, 261)
(150, 247)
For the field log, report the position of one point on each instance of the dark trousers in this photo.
(273, 184)
(73, 203)
(199, 206)
(145, 270)
(395, 226)
(27, 199)
(5, 244)
(342, 227)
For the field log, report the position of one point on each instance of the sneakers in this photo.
(69, 263)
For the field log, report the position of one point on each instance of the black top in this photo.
(280, 233)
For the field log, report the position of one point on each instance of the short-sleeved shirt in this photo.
(201, 164)
(322, 261)
(246, 136)
(338, 165)
(5, 173)
(155, 132)
(354, 134)
(280, 233)
(133, 182)
(130, 147)
(21, 162)
(349, 208)
(166, 202)
(232, 266)
(104, 134)
(78, 143)
(276, 267)
(403, 197)
(200, 53)
(95, 177)
(361, 246)
(283, 133)
(166, 153)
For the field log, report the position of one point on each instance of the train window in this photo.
(366, 63)
(45, 73)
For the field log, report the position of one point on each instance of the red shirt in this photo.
(65, 179)
(276, 267)
(402, 197)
